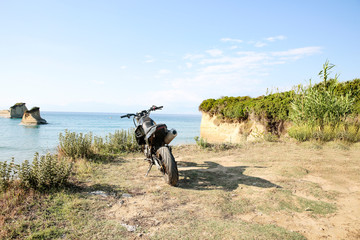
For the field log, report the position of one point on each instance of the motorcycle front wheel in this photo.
(171, 174)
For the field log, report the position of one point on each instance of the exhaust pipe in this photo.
(172, 133)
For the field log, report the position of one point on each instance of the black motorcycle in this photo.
(154, 139)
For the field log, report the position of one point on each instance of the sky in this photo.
(124, 56)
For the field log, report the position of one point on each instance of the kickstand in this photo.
(151, 164)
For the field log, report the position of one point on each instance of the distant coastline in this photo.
(5, 113)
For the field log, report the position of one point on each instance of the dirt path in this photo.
(262, 191)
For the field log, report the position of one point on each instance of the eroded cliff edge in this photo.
(216, 130)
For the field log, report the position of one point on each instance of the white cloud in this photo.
(214, 52)
(297, 53)
(164, 71)
(193, 56)
(260, 44)
(149, 59)
(273, 39)
(231, 40)
(123, 67)
(98, 82)
(215, 73)
(234, 75)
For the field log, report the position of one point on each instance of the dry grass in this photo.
(256, 191)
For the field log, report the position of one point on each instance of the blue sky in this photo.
(120, 56)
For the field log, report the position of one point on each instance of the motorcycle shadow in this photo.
(211, 175)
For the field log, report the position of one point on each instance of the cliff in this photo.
(5, 113)
(33, 117)
(17, 111)
(215, 130)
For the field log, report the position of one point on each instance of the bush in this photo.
(202, 143)
(7, 173)
(45, 172)
(86, 146)
(119, 142)
(327, 102)
(75, 145)
(122, 141)
(321, 106)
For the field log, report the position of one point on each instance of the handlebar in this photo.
(127, 115)
(153, 108)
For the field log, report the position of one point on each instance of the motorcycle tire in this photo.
(171, 174)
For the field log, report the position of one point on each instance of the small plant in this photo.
(45, 172)
(301, 133)
(122, 141)
(75, 145)
(269, 137)
(119, 142)
(202, 143)
(7, 173)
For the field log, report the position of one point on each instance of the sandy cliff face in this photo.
(33, 117)
(5, 113)
(215, 130)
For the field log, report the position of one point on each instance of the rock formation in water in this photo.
(17, 111)
(33, 117)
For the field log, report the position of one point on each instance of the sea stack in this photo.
(18, 110)
(33, 117)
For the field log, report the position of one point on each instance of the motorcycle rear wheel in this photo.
(171, 174)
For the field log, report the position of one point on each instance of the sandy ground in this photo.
(305, 188)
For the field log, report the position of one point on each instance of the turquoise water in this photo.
(21, 142)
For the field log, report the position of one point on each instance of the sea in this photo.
(22, 142)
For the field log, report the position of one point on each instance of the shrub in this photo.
(322, 104)
(122, 141)
(119, 142)
(202, 143)
(320, 107)
(86, 146)
(45, 172)
(75, 145)
(328, 102)
(7, 173)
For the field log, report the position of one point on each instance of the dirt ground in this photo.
(255, 191)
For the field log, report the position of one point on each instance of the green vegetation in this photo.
(325, 111)
(322, 104)
(203, 144)
(75, 145)
(7, 174)
(272, 107)
(79, 145)
(348, 132)
(53, 171)
(119, 142)
(43, 174)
